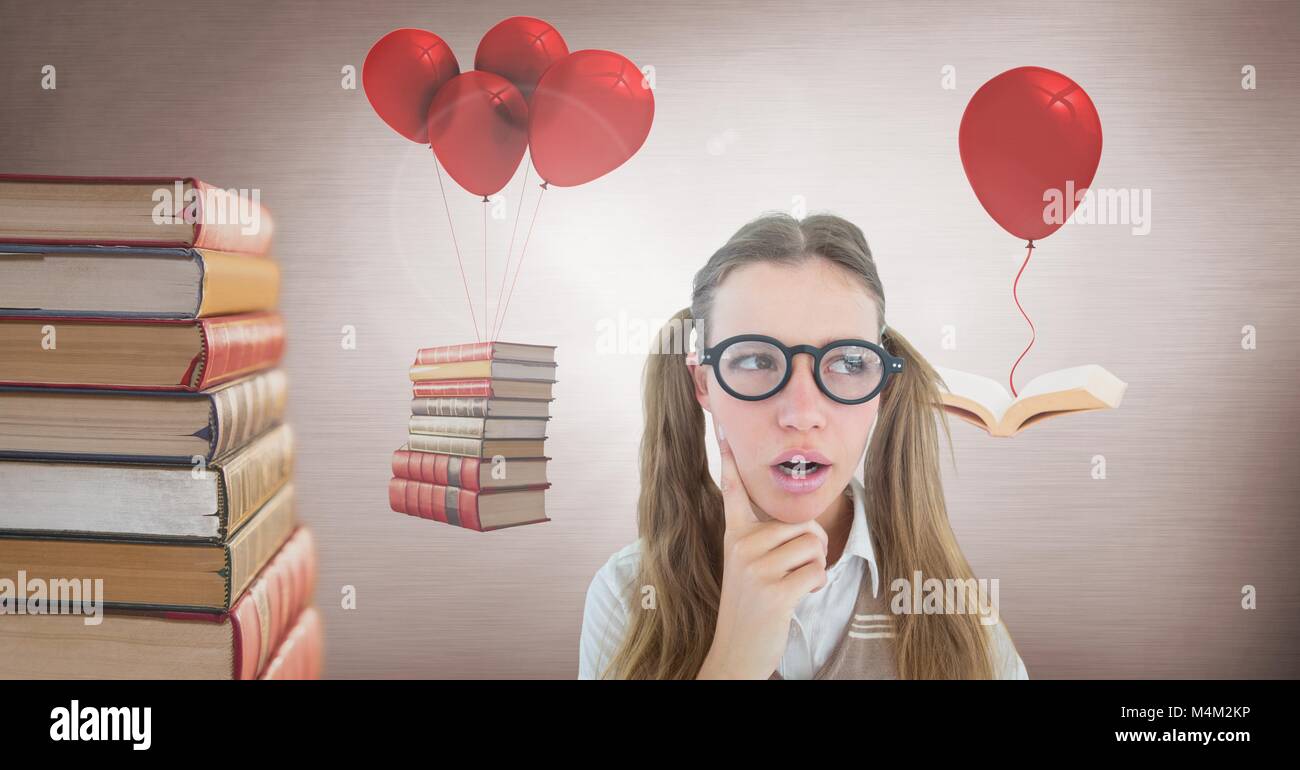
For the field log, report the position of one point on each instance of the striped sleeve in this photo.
(1006, 660)
(604, 617)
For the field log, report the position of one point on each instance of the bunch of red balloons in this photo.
(581, 114)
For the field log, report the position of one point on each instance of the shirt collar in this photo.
(859, 540)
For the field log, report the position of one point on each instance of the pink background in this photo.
(1138, 575)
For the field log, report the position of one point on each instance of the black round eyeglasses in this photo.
(753, 367)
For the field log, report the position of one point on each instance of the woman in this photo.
(794, 568)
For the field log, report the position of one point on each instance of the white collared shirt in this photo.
(820, 618)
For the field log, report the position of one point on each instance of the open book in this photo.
(986, 404)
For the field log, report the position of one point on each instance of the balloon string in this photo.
(1034, 333)
(522, 252)
(460, 263)
(519, 209)
(485, 290)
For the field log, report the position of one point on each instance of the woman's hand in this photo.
(768, 567)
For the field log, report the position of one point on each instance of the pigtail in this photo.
(680, 521)
(909, 520)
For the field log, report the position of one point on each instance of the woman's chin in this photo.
(794, 508)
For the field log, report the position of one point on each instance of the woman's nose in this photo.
(802, 407)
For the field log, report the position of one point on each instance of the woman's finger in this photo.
(774, 534)
(780, 562)
(739, 512)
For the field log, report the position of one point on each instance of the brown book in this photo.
(138, 353)
(131, 211)
(985, 404)
(135, 426)
(135, 644)
(116, 281)
(136, 501)
(159, 575)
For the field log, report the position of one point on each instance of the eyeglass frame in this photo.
(893, 364)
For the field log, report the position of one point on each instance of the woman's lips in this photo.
(800, 482)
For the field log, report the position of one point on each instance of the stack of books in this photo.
(147, 523)
(475, 455)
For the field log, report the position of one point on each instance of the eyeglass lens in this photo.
(755, 368)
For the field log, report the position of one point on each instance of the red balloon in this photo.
(401, 74)
(1025, 132)
(589, 114)
(478, 126)
(520, 49)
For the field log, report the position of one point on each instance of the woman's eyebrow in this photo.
(828, 340)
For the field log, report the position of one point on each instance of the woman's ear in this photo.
(699, 376)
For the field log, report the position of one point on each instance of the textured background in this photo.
(1138, 575)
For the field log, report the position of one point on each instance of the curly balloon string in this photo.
(1033, 333)
(438, 167)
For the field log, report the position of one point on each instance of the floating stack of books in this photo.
(475, 456)
(147, 523)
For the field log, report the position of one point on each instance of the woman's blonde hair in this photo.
(680, 514)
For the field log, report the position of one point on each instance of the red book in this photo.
(442, 354)
(262, 618)
(482, 387)
(137, 353)
(481, 351)
(132, 211)
(126, 644)
(481, 511)
(302, 653)
(434, 468)
(264, 614)
(470, 473)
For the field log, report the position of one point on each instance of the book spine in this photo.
(451, 445)
(481, 387)
(301, 655)
(246, 409)
(471, 427)
(229, 234)
(449, 505)
(236, 283)
(234, 346)
(268, 609)
(257, 541)
(433, 468)
(250, 477)
(450, 407)
(447, 354)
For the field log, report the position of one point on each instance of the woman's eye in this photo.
(849, 364)
(753, 361)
